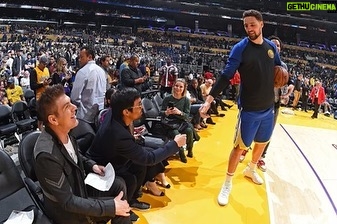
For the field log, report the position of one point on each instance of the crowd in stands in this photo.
(34, 41)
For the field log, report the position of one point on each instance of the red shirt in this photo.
(208, 75)
(236, 79)
(319, 93)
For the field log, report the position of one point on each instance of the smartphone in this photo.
(170, 105)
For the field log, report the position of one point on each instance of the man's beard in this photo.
(253, 36)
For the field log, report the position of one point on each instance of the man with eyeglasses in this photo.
(115, 143)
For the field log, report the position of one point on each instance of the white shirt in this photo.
(24, 81)
(88, 91)
(70, 149)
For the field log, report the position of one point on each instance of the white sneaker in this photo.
(252, 174)
(224, 193)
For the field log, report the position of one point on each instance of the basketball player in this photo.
(277, 91)
(255, 58)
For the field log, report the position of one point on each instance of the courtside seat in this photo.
(22, 118)
(151, 119)
(158, 101)
(7, 127)
(28, 95)
(13, 194)
(84, 135)
(25, 154)
(26, 159)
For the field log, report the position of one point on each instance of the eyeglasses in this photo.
(64, 64)
(139, 106)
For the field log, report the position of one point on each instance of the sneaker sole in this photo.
(222, 204)
(263, 170)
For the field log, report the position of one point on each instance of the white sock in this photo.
(229, 178)
(252, 165)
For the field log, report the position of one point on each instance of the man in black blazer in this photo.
(115, 143)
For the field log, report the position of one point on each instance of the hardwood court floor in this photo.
(300, 181)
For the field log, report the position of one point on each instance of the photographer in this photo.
(132, 76)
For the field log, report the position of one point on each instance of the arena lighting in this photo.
(69, 23)
(26, 6)
(161, 20)
(272, 23)
(188, 3)
(125, 16)
(3, 5)
(27, 21)
(101, 14)
(64, 10)
(226, 17)
(40, 8)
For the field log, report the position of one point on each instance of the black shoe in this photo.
(167, 186)
(143, 206)
(182, 156)
(190, 154)
(210, 121)
(133, 217)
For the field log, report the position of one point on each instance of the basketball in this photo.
(281, 76)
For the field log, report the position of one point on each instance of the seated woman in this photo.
(205, 90)
(177, 106)
(196, 99)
